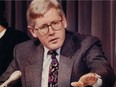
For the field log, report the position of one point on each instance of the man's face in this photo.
(53, 39)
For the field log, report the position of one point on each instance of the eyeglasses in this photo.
(44, 29)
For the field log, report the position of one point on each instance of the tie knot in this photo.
(52, 52)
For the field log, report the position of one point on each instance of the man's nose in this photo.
(51, 30)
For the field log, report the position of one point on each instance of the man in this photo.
(9, 37)
(58, 58)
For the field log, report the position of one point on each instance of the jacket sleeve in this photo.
(96, 62)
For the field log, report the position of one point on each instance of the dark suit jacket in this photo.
(7, 43)
(80, 54)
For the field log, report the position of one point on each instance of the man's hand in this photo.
(87, 79)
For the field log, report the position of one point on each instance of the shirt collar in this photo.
(2, 33)
(46, 51)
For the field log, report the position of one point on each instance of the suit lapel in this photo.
(65, 68)
(33, 72)
(67, 60)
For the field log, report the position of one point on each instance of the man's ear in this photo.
(64, 21)
(32, 31)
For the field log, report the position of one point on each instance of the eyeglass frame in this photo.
(51, 24)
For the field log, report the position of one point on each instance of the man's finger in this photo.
(77, 84)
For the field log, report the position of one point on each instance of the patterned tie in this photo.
(53, 70)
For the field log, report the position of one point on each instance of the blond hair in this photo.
(38, 8)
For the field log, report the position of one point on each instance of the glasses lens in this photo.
(43, 29)
(56, 25)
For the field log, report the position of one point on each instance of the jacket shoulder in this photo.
(25, 45)
(83, 38)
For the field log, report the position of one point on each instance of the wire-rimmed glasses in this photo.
(44, 29)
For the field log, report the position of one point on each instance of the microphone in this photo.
(14, 76)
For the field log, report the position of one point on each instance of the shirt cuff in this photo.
(98, 83)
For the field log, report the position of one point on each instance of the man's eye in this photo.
(43, 27)
(56, 22)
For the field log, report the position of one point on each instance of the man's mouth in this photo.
(53, 40)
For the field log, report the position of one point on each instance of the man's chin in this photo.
(54, 47)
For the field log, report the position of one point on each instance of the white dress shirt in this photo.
(45, 70)
(2, 33)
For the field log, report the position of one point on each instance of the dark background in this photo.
(95, 17)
